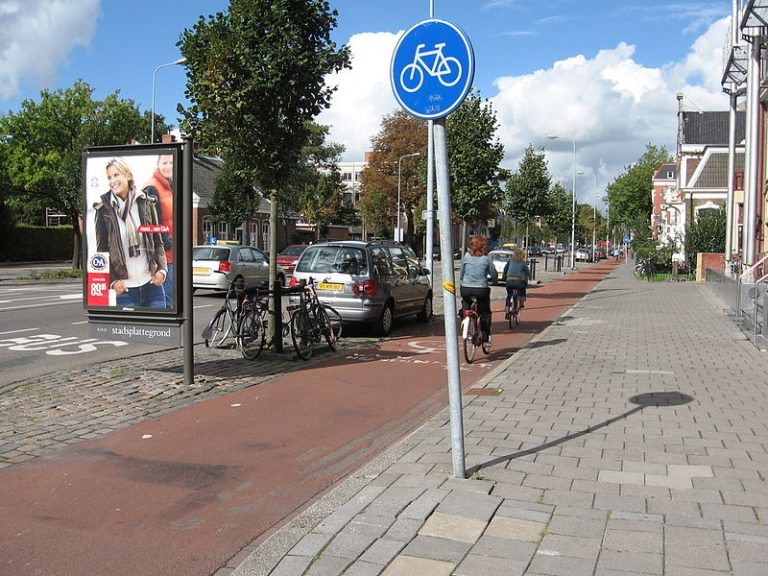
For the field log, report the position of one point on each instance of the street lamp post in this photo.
(573, 209)
(398, 235)
(154, 82)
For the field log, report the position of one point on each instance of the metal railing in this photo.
(751, 301)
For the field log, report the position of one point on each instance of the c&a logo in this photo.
(99, 262)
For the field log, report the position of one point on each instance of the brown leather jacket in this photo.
(109, 239)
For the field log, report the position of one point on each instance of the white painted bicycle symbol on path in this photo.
(446, 69)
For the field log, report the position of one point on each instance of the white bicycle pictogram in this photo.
(446, 69)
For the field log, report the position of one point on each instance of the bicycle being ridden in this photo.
(516, 276)
(476, 269)
(312, 320)
(474, 332)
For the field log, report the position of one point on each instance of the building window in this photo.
(254, 234)
(207, 229)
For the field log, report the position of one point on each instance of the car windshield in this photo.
(292, 251)
(329, 259)
(210, 253)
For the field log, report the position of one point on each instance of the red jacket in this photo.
(159, 187)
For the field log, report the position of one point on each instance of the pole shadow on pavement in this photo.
(641, 401)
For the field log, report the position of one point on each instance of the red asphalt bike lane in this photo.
(184, 493)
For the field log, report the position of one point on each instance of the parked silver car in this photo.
(246, 265)
(367, 282)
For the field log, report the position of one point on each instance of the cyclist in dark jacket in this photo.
(516, 275)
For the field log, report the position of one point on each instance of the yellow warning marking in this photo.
(449, 286)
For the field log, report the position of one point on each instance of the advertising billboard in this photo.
(131, 220)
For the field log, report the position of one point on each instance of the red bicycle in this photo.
(473, 333)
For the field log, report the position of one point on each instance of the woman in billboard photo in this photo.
(127, 228)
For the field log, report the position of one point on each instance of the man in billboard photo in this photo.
(127, 228)
(160, 187)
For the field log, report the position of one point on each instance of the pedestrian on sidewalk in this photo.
(476, 269)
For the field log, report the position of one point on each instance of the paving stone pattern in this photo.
(629, 438)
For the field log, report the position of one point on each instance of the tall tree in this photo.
(630, 193)
(560, 212)
(399, 136)
(474, 157)
(527, 190)
(44, 143)
(255, 79)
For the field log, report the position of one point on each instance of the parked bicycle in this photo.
(473, 333)
(253, 323)
(512, 307)
(312, 320)
(644, 268)
(224, 321)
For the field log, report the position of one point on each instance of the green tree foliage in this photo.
(630, 193)
(559, 213)
(256, 78)
(43, 145)
(400, 135)
(322, 202)
(527, 190)
(474, 157)
(705, 234)
(229, 204)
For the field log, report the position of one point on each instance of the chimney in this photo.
(167, 138)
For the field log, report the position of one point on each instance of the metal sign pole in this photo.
(430, 212)
(188, 340)
(449, 299)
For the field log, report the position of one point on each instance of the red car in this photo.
(287, 258)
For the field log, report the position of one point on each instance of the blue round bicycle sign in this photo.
(432, 69)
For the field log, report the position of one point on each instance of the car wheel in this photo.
(384, 326)
(426, 310)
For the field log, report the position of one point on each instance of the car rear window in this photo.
(293, 251)
(212, 253)
(330, 259)
(500, 256)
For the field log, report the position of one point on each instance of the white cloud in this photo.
(610, 104)
(37, 35)
(364, 94)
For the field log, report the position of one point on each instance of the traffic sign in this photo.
(627, 239)
(432, 69)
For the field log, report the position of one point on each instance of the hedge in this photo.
(39, 244)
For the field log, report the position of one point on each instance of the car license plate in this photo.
(201, 271)
(330, 287)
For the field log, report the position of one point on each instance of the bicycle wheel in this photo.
(301, 334)
(219, 328)
(469, 342)
(251, 334)
(330, 324)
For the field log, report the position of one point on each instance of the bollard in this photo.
(532, 265)
(558, 264)
(546, 262)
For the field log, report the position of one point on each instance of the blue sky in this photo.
(602, 74)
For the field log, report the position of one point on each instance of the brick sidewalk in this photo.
(629, 438)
